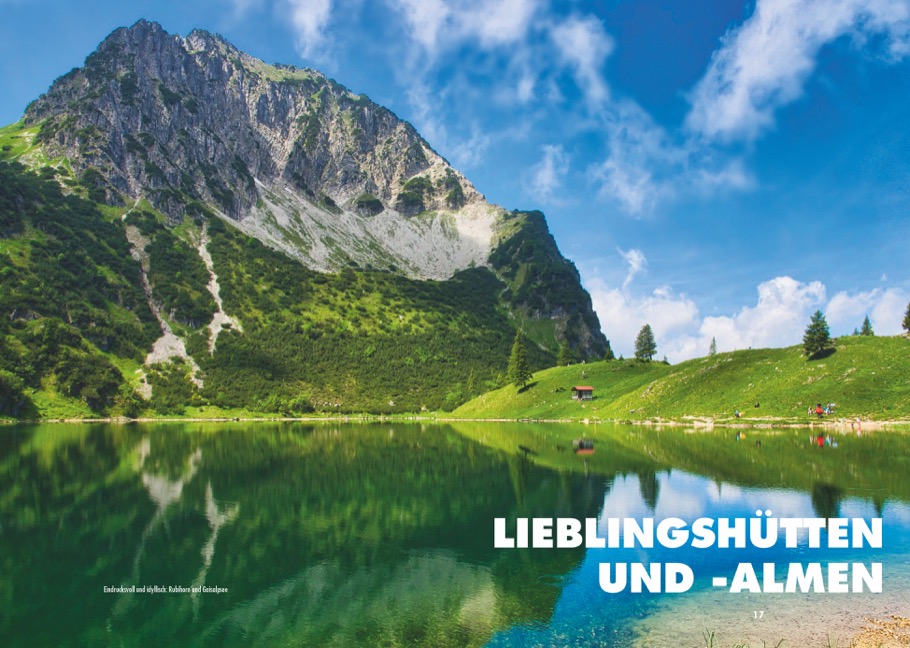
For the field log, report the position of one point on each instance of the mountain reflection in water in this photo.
(378, 534)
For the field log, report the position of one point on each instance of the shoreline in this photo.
(868, 620)
(693, 422)
(809, 620)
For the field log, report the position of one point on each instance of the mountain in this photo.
(221, 231)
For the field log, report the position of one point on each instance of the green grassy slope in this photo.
(71, 309)
(866, 377)
(354, 341)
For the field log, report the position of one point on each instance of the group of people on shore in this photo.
(820, 411)
(856, 425)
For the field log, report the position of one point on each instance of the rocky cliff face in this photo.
(290, 156)
(198, 129)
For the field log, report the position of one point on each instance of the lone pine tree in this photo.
(645, 346)
(519, 373)
(817, 337)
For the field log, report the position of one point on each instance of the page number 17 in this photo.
(758, 614)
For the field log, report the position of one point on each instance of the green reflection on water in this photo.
(322, 534)
(871, 466)
(340, 535)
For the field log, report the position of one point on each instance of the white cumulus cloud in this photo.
(778, 318)
(425, 18)
(310, 18)
(761, 66)
(439, 24)
(885, 308)
(622, 313)
(497, 22)
(584, 45)
(764, 63)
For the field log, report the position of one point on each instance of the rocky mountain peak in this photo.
(201, 130)
(200, 40)
(142, 90)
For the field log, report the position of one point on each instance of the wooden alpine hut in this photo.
(583, 393)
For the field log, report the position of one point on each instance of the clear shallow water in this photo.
(381, 535)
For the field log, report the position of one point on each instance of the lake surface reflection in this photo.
(382, 534)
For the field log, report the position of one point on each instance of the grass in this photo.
(17, 139)
(711, 642)
(549, 395)
(18, 142)
(355, 341)
(54, 405)
(867, 377)
(272, 73)
(540, 331)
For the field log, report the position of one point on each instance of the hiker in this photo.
(818, 410)
(736, 413)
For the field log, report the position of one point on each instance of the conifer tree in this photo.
(867, 327)
(564, 359)
(906, 323)
(519, 373)
(817, 337)
(608, 354)
(712, 350)
(645, 346)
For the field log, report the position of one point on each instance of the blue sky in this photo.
(714, 168)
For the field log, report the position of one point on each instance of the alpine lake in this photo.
(382, 534)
